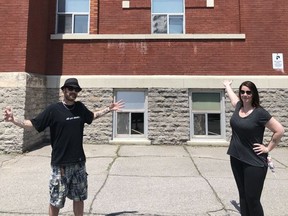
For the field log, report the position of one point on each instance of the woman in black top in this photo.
(248, 154)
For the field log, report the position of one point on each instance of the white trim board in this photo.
(23, 79)
(172, 81)
(147, 36)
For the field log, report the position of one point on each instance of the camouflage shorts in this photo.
(68, 181)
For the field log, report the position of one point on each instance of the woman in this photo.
(248, 154)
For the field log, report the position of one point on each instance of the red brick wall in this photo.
(94, 16)
(24, 36)
(223, 18)
(113, 19)
(38, 36)
(148, 58)
(264, 23)
(13, 34)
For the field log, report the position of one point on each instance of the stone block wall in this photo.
(168, 116)
(11, 138)
(26, 95)
(168, 112)
(100, 131)
(165, 126)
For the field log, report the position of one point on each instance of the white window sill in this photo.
(131, 141)
(147, 36)
(208, 142)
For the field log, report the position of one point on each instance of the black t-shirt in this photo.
(66, 131)
(245, 132)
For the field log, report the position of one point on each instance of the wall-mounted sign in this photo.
(278, 63)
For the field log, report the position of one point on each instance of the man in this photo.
(66, 121)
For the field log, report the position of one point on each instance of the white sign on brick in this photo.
(278, 63)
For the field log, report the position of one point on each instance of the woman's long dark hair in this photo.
(255, 94)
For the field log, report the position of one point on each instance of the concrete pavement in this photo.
(141, 180)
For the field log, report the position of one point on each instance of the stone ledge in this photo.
(127, 141)
(207, 142)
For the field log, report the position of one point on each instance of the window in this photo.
(131, 121)
(167, 16)
(207, 114)
(72, 16)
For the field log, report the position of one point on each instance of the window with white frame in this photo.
(207, 114)
(167, 16)
(131, 121)
(72, 16)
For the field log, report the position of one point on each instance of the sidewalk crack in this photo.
(207, 181)
(105, 181)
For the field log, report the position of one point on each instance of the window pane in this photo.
(199, 124)
(214, 127)
(175, 24)
(137, 123)
(167, 6)
(81, 24)
(133, 100)
(73, 6)
(61, 5)
(122, 123)
(206, 101)
(64, 24)
(159, 24)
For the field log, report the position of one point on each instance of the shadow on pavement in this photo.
(236, 205)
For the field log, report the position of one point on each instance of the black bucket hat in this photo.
(71, 82)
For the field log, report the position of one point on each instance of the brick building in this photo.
(166, 58)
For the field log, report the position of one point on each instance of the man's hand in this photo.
(117, 105)
(8, 115)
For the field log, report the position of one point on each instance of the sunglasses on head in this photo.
(70, 88)
(247, 92)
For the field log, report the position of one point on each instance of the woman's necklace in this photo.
(68, 107)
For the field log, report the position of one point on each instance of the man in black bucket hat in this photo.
(66, 121)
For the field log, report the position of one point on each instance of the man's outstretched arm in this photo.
(9, 117)
(112, 107)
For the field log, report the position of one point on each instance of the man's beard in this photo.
(71, 97)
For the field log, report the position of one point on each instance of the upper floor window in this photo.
(207, 114)
(167, 16)
(131, 121)
(72, 16)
